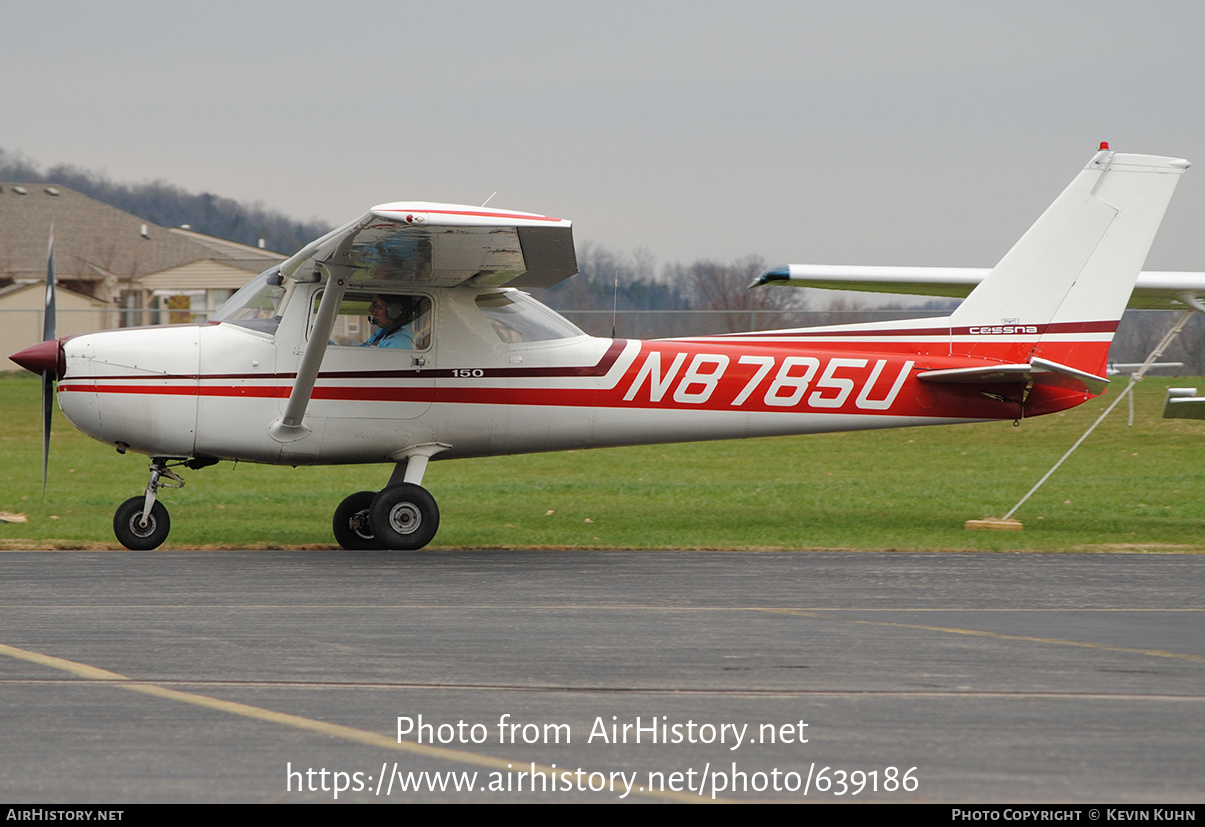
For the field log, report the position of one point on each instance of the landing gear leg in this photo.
(142, 523)
(401, 516)
(404, 515)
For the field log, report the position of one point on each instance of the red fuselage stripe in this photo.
(978, 330)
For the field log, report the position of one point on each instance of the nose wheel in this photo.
(141, 523)
(138, 534)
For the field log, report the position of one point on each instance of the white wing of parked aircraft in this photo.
(1153, 289)
(1173, 290)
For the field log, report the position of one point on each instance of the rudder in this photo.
(1065, 283)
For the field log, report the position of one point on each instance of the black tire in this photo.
(132, 535)
(404, 517)
(352, 525)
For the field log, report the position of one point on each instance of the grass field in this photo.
(1139, 488)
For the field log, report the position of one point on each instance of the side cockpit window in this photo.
(395, 321)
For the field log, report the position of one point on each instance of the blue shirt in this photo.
(400, 338)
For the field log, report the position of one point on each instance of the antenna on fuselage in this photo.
(615, 303)
(491, 198)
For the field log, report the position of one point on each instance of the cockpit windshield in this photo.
(258, 305)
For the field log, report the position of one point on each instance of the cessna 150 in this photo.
(279, 376)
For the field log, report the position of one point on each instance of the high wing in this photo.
(421, 243)
(1153, 290)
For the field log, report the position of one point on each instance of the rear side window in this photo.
(517, 317)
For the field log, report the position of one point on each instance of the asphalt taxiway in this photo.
(281, 676)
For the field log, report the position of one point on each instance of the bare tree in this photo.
(1141, 330)
(725, 288)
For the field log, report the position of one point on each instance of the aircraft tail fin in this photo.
(1065, 284)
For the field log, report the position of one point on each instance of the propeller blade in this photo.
(48, 376)
(47, 403)
(48, 316)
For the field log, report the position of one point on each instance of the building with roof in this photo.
(116, 269)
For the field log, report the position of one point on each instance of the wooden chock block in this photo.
(994, 523)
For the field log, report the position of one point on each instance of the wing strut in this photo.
(289, 428)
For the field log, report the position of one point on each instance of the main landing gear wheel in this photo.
(404, 517)
(127, 524)
(353, 528)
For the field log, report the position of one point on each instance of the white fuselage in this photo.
(213, 390)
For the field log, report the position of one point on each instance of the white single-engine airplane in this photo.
(279, 374)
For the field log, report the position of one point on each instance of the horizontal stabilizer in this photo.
(1039, 371)
(987, 375)
(1183, 403)
(1094, 384)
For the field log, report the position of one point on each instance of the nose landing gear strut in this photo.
(142, 523)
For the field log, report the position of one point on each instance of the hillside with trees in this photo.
(170, 206)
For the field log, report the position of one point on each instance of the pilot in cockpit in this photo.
(395, 316)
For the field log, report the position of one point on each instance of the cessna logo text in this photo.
(1008, 328)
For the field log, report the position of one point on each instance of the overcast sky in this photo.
(850, 132)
